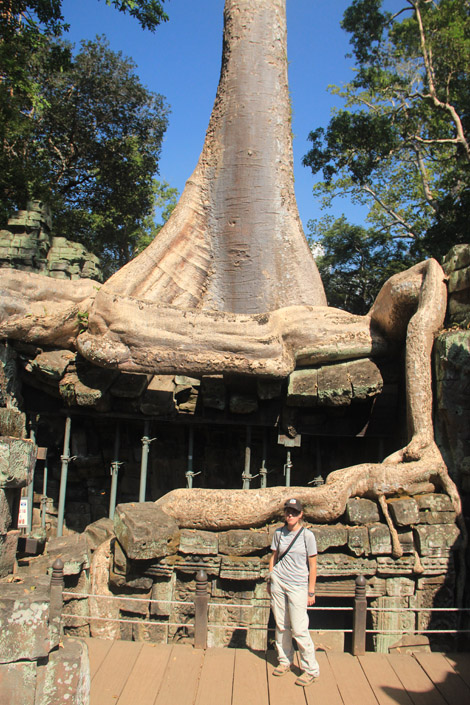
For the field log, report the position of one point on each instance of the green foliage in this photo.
(165, 198)
(88, 146)
(149, 13)
(354, 262)
(101, 136)
(401, 142)
(80, 133)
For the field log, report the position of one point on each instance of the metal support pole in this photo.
(287, 469)
(57, 599)
(190, 474)
(263, 470)
(146, 441)
(114, 473)
(44, 496)
(190, 449)
(360, 617)
(247, 476)
(201, 601)
(30, 494)
(65, 458)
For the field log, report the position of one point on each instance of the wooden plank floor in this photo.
(125, 673)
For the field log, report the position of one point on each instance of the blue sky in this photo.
(181, 60)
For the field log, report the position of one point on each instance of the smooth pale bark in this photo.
(235, 242)
(41, 310)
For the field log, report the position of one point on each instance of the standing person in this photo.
(291, 584)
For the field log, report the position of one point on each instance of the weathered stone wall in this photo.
(150, 566)
(452, 372)
(35, 669)
(28, 244)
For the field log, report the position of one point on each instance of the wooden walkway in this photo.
(130, 673)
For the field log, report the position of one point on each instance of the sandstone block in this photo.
(18, 683)
(199, 542)
(458, 257)
(328, 536)
(362, 511)
(459, 280)
(145, 531)
(17, 460)
(459, 305)
(341, 564)
(404, 511)
(138, 603)
(66, 676)
(6, 502)
(159, 397)
(430, 517)
(26, 632)
(99, 531)
(72, 550)
(120, 560)
(187, 564)
(380, 539)
(242, 542)
(395, 566)
(161, 596)
(397, 620)
(400, 587)
(12, 423)
(303, 388)
(240, 568)
(366, 378)
(437, 539)
(358, 540)
(434, 502)
(334, 385)
(50, 366)
(407, 541)
(8, 545)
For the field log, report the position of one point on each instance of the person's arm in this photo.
(312, 579)
(272, 562)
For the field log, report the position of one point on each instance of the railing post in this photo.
(200, 610)
(57, 598)
(360, 617)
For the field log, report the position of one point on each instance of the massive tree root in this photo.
(228, 509)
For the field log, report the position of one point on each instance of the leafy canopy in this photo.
(80, 132)
(401, 142)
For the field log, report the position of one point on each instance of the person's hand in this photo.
(310, 600)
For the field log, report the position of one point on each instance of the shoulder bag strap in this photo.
(279, 558)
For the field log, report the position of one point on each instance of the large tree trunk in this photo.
(235, 243)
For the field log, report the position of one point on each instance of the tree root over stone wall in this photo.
(227, 509)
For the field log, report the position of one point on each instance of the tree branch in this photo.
(428, 64)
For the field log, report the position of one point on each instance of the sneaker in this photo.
(306, 679)
(282, 669)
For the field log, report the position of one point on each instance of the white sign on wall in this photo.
(23, 513)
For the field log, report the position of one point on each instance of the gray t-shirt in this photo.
(293, 568)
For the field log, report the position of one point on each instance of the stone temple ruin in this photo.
(158, 421)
